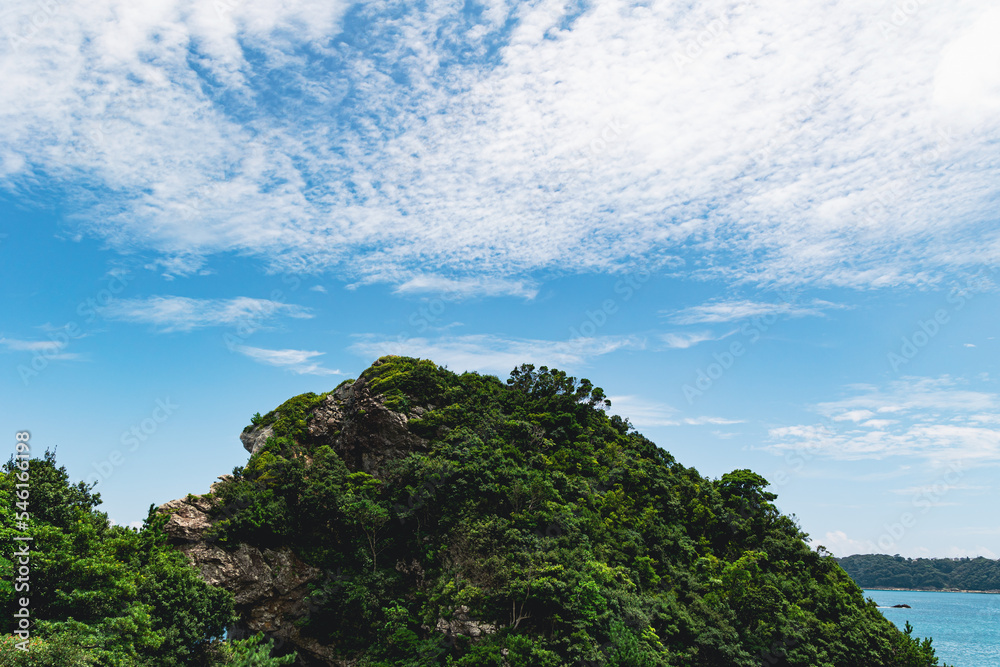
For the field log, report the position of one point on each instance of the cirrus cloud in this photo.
(178, 313)
(771, 142)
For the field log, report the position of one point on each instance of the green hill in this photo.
(420, 517)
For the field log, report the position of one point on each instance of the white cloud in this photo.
(178, 313)
(451, 288)
(910, 394)
(299, 362)
(840, 544)
(878, 423)
(685, 340)
(494, 353)
(854, 415)
(643, 412)
(974, 552)
(800, 144)
(41, 346)
(937, 489)
(729, 311)
(51, 350)
(318, 288)
(934, 419)
(967, 81)
(646, 413)
(718, 421)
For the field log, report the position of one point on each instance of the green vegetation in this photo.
(289, 419)
(551, 532)
(526, 529)
(881, 571)
(106, 595)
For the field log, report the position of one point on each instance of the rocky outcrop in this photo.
(255, 438)
(462, 624)
(357, 425)
(270, 586)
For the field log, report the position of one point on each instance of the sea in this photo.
(965, 626)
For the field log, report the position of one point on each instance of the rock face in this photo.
(255, 438)
(356, 424)
(271, 586)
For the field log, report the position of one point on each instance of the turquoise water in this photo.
(965, 626)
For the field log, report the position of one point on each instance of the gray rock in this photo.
(269, 586)
(256, 438)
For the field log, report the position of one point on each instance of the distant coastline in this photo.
(895, 573)
(926, 590)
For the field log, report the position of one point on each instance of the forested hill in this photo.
(963, 574)
(418, 517)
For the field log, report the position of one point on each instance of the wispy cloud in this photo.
(643, 412)
(467, 287)
(716, 312)
(300, 362)
(31, 345)
(178, 313)
(524, 137)
(840, 544)
(936, 489)
(683, 341)
(50, 349)
(912, 395)
(933, 419)
(484, 352)
(716, 421)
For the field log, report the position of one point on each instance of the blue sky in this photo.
(768, 230)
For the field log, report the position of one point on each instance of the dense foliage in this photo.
(881, 571)
(106, 595)
(536, 530)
